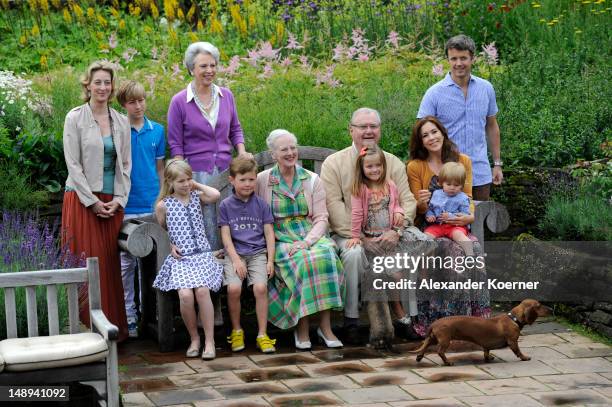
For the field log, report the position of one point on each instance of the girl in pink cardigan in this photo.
(376, 210)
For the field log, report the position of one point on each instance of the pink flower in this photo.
(363, 57)
(112, 41)
(304, 62)
(266, 51)
(268, 71)
(151, 79)
(490, 53)
(175, 70)
(339, 52)
(154, 53)
(438, 70)
(233, 66)
(292, 42)
(393, 39)
(253, 57)
(286, 62)
(128, 55)
(327, 77)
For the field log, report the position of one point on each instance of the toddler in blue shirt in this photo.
(448, 202)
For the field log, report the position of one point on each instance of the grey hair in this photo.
(365, 110)
(460, 42)
(275, 134)
(199, 48)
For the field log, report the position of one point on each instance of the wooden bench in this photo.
(89, 357)
(140, 237)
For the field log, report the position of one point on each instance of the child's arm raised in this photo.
(269, 235)
(208, 194)
(230, 250)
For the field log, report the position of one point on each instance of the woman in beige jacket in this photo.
(97, 153)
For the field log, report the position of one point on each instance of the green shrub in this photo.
(578, 214)
(18, 192)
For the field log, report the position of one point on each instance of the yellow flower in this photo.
(154, 11)
(78, 11)
(122, 24)
(280, 30)
(191, 12)
(102, 21)
(43, 62)
(199, 25)
(215, 25)
(214, 6)
(193, 37)
(23, 40)
(99, 35)
(172, 34)
(223, 55)
(114, 12)
(33, 5)
(35, 31)
(136, 11)
(44, 6)
(5, 4)
(147, 29)
(169, 8)
(252, 21)
(180, 15)
(91, 13)
(67, 16)
(57, 4)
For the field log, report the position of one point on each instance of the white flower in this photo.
(11, 101)
(17, 128)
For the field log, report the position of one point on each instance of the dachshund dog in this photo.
(494, 333)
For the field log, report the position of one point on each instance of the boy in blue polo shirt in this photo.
(148, 153)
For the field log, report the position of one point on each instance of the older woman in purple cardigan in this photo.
(203, 125)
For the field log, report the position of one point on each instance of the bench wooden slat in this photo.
(32, 311)
(11, 312)
(45, 277)
(52, 312)
(73, 308)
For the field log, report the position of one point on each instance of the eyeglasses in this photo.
(363, 127)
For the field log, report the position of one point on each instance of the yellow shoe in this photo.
(265, 344)
(236, 338)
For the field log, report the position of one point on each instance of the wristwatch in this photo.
(498, 163)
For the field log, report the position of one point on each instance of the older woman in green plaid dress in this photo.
(309, 278)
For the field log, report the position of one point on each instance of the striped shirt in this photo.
(464, 118)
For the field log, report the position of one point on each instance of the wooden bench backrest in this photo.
(71, 278)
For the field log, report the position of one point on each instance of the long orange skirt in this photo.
(88, 235)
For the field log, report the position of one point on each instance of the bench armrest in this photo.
(103, 326)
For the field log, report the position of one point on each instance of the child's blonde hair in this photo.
(360, 179)
(174, 168)
(130, 90)
(452, 173)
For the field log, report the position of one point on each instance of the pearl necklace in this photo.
(199, 102)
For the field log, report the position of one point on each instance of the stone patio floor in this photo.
(566, 369)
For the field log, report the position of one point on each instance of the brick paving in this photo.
(566, 369)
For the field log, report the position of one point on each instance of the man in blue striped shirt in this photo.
(466, 105)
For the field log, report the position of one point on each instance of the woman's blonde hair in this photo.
(359, 180)
(91, 69)
(174, 168)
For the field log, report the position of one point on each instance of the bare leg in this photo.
(189, 316)
(464, 241)
(261, 307)
(207, 316)
(233, 304)
(325, 325)
(302, 329)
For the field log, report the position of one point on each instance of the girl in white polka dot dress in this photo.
(191, 268)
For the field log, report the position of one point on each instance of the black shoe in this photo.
(407, 332)
(351, 335)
